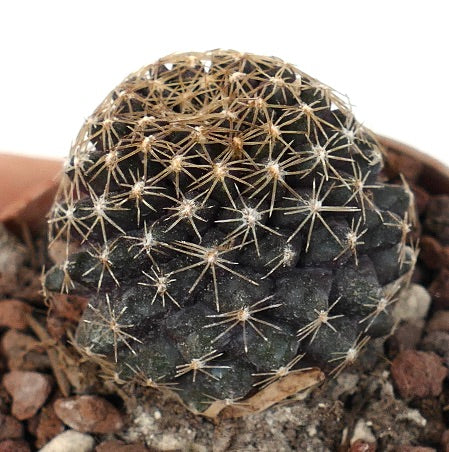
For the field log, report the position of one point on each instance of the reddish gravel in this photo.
(362, 446)
(23, 352)
(10, 428)
(439, 321)
(13, 314)
(11, 445)
(418, 374)
(89, 414)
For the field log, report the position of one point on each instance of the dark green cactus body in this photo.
(229, 218)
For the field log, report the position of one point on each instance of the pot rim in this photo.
(434, 175)
(27, 187)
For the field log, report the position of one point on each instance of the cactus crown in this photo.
(229, 222)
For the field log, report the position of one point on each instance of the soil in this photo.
(396, 398)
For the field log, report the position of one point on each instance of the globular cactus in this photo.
(229, 220)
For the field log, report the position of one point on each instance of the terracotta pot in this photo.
(27, 185)
(27, 188)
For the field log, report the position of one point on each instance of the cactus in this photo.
(225, 216)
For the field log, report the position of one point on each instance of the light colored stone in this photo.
(29, 391)
(363, 432)
(169, 441)
(414, 416)
(346, 384)
(70, 441)
(413, 304)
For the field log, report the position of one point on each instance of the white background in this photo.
(59, 59)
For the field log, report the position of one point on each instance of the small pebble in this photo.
(413, 304)
(169, 442)
(10, 428)
(88, 413)
(29, 391)
(23, 352)
(70, 441)
(418, 374)
(439, 321)
(436, 341)
(347, 383)
(11, 445)
(362, 446)
(405, 337)
(412, 415)
(13, 314)
(363, 432)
